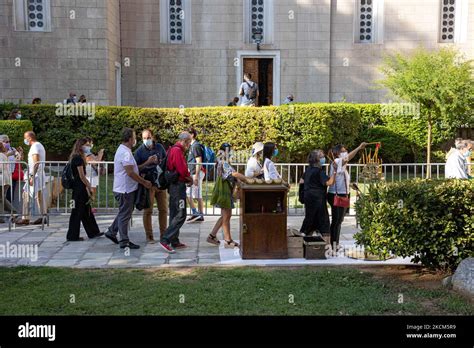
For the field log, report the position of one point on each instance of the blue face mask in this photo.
(86, 149)
(468, 154)
(148, 142)
(322, 161)
(18, 116)
(26, 142)
(275, 152)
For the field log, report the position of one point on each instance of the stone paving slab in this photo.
(55, 251)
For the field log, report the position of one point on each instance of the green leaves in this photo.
(434, 227)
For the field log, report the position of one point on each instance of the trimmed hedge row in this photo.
(296, 128)
(430, 221)
(15, 130)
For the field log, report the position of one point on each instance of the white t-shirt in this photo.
(40, 179)
(456, 166)
(341, 176)
(122, 182)
(269, 170)
(253, 168)
(245, 87)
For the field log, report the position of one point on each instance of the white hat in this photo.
(257, 147)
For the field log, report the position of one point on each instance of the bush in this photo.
(15, 130)
(430, 221)
(395, 148)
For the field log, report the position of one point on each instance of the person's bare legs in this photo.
(217, 227)
(226, 215)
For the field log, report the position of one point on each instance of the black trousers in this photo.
(337, 217)
(81, 212)
(316, 216)
(177, 218)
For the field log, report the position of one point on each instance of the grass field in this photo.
(219, 291)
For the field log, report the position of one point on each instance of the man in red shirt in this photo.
(177, 163)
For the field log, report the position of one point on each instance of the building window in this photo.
(32, 15)
(175, 21)
(368, 21)
(258, 21)
(453, 21)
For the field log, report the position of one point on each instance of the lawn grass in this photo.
(218, 291)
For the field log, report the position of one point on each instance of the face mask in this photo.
(26, 142)
(468, 154)
(86, 149)
(92, 146)
(148, 142)
(275, 152)
(322, 161)
(343, 155)
(18, 116)
(7, 146)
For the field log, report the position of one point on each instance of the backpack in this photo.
(252, 91)
(165, 177)
(67, 177)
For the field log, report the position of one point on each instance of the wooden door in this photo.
(261, 70)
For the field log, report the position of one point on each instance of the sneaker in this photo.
(200, 218)
(111, 237)
(179, 246)
(193, 218)
(129, 245)
(167, 248)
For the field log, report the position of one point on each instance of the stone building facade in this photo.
(169, 53)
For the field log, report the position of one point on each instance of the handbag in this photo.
(341, 201)
(18, 174)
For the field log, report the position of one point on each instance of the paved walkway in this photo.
(53, 250)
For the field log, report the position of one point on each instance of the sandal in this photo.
(230, 244)
(213, 240)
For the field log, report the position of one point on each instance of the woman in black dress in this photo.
(316, 183)
(81, 193)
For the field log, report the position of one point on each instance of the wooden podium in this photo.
(263, 220)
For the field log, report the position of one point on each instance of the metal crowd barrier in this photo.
(100, 174)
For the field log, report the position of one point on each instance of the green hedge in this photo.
(430, 221)
(297, 129)
(15, 130)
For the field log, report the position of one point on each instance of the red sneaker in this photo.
(167, 248)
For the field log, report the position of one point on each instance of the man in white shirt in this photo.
(36, 183)
(126, 180)
(456, 165)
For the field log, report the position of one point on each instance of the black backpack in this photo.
(67, 177)
(252, 91)
(165, 177)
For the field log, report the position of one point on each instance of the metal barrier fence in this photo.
(100, 174)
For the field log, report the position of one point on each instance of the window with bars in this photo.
(32, 15)
(368, 22)
(453, 21)
(258, 21)
(175, 21)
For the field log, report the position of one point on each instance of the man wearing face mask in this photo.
(148, 156)
(36, 180)
(126, 180)
(176, 162)
(15, 114)
(456, 165)
(341, 158)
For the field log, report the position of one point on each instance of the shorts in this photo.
(195, 192)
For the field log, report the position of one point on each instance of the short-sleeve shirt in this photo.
(122, 182)
(342, 178)
(269, 170)
(143, 153)
(76, 162)
(245, 86)
(195, 151)
(37, 149)
(253, 168)
(224, 169)
(315, 179)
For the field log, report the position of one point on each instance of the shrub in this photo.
(395, 148)
(15, 130)
(430, 221)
